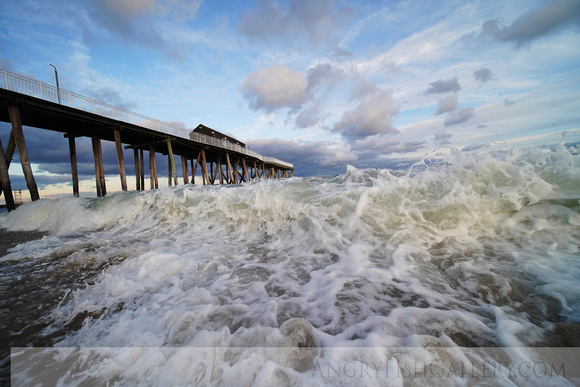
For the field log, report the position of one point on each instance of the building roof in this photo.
(214, 133)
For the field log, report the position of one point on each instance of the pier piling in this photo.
(26, 102)
(14, 113)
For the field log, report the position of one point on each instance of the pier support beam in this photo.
(73, 165)
(9, 152)
(142, 169)
(246, 177)
(154, 164)
(204, 168)
(230, 173)
(121, 161)
(99, 173)
(212, 174)
(14, 113)
(169, 177)
(184, 170)
(151, 168)
(171, 163)
(219, 167)
(195, 168)
(5, 181)
(236, 172)
(137, 172)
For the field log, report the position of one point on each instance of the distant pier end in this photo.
(220, 158)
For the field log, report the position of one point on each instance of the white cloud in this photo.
(275, 87)
(459, 116)
(314, 20)
(372, 115)
(442, 135)
(447, 104)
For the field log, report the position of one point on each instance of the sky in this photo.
(321, 84)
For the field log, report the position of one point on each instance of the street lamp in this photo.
(57, 87)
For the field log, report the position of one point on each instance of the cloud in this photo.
(309, 159)
(110, 96)
(483, 75)
(473, 147)
(447, 104)
(372, 115)
(309, 116)
(362, 88)
(508, 103)
(443, 86)
(442, 135)
(275, 87)
(383, 145)
(546, 19)
(142, 22)
(130, 7)
(313, 20)
(459, 116)
(329, 158)
(323, 74)
(341, 53)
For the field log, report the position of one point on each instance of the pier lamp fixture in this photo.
(57, 87)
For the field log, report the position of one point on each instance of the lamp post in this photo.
(57, 87)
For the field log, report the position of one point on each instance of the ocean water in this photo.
(320, 280)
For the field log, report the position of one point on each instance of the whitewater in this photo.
(379, 277)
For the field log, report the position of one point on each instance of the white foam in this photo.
(447, 253)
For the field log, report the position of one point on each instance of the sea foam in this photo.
(473, 249)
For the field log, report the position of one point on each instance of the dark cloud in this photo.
(548, 18)
(372, 115)
(325, 158)
(447, 104)
(459, 116)
(309, 159)
(483, 75)
(443, 86)
(313, 20)
(383, 151)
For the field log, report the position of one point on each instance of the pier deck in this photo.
(27, 102)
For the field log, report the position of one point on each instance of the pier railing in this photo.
(31, 87)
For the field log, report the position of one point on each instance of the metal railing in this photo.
(31, 87)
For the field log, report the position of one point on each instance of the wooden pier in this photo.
(27, 102)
